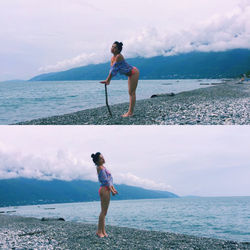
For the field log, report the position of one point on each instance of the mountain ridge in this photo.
(226, 64)
(24, 191)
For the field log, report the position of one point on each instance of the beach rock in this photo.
(159, 95)
(52, 219)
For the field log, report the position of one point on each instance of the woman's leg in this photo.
(105, 199)
(132, 85)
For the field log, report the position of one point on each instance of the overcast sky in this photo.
(189, 160)
(40, 36)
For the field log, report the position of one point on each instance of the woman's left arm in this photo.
(114, 69)
(113, 72)
(113, 190)
(107, 81)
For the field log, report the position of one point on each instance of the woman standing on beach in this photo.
(118, 64)
(106, 180)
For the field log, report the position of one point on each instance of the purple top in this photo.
(122, 67)
(105, 178)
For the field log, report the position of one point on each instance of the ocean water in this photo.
(22, 101)
(225, 218)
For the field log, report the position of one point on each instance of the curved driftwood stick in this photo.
(106, 94)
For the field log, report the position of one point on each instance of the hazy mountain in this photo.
(24, 191)
(225, 64)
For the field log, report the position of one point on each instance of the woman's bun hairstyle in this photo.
(119, 45)
(95, 157)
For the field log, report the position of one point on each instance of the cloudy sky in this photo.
(189, 160)
(40, 36)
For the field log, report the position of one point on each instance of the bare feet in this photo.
(127, 114)
(100, 235)
(105, 234)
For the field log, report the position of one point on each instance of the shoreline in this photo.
(223, 104)
(27, 232)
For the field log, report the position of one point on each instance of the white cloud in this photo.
(133, 180)
(62, 166)
(58, 35)
(218, 33)
(80, 60)
(202, 160)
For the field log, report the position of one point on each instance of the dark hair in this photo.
(119, 46)
(95, 157)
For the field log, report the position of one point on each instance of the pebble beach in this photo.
(30, 233)
(227, 103)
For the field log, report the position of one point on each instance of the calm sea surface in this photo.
(22, 101)
(221, 217)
